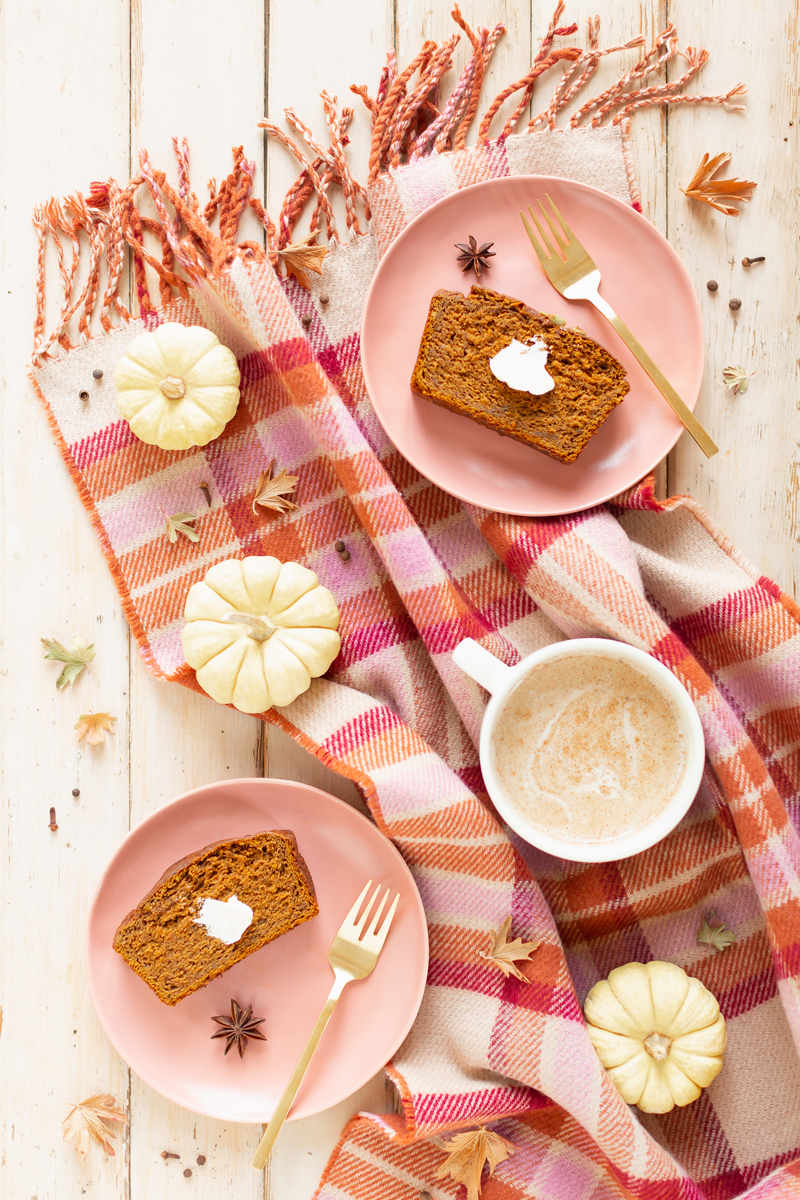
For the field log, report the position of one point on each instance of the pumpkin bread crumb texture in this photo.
(175, 956)
(463, 333)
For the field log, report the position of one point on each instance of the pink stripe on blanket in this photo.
(101, 444)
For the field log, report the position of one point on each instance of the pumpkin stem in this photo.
(173, 388)
(258, 628)
(657, 1046)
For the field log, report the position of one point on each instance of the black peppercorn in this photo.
(734, 304)
(97, 373)
(76, 792)
(712, 285)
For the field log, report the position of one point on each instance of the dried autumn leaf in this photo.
(736, 378)
(717, 936)
(79, 655)
(505, 955)
(272, 492)
(716, 191)
(94, 726)
(89, 1121)
(301, 257)
(182, 523)
(469, 1153)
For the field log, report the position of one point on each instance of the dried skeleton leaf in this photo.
(79, 655)
(469, 1153)
(94, 726)
(719, 193)
(182, 522)
(301, 257)
(506, 955)
(736, 378)
(89, 1121)
(271, 492)
(719, 937)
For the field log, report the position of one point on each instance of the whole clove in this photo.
(204, 489)
(52, 824)
(165, 1154)
(748, 262)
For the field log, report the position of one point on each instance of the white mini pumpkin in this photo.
(658, 1032)
(177, 386)
(258, 631)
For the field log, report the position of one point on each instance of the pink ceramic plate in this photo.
(286, 982)
(643, 279)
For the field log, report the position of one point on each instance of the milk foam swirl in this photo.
(589, 748)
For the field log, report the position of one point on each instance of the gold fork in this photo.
(576, 276)
(352, 956)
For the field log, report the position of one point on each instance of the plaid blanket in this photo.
(425, 570)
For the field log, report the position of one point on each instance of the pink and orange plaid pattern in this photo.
(395, 716)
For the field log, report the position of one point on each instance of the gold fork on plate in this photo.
(576, 276)
(353, 954)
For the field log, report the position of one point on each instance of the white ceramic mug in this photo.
(500, 680)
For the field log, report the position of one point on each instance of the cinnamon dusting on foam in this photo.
(588, 748)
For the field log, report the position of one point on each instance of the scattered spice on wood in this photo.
(301, 257)
(187, 1173)
(734, 304)
(182, 522)
(94, 727)
(712, 285)
(89, 1121)
(52, 824)
(719, 936)
(201, 1160)
(720, 194)
(239, 1027)
(79, 655)
(206, 493)
(505, 954)
(165, 1154)
(736, 378)
(76, 792)
(469, 1153)
(748, 262)
(272, 492)
(475, 257)
(97, 373)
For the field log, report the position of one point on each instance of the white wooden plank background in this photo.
(84, 85)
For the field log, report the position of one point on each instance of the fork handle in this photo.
(290, 1091)
(659, 379)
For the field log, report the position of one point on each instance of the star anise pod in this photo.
(238, 1027)
(475, 256)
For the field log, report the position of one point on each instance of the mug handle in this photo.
(480, 665)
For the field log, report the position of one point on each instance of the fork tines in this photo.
(358, 927)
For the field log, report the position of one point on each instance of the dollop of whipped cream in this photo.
(225, 920)
(522, 366)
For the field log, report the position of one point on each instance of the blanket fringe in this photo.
(408, 123)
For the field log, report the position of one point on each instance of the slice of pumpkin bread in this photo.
(188, 928)
(462, 333)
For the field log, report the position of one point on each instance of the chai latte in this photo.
(589, 748)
